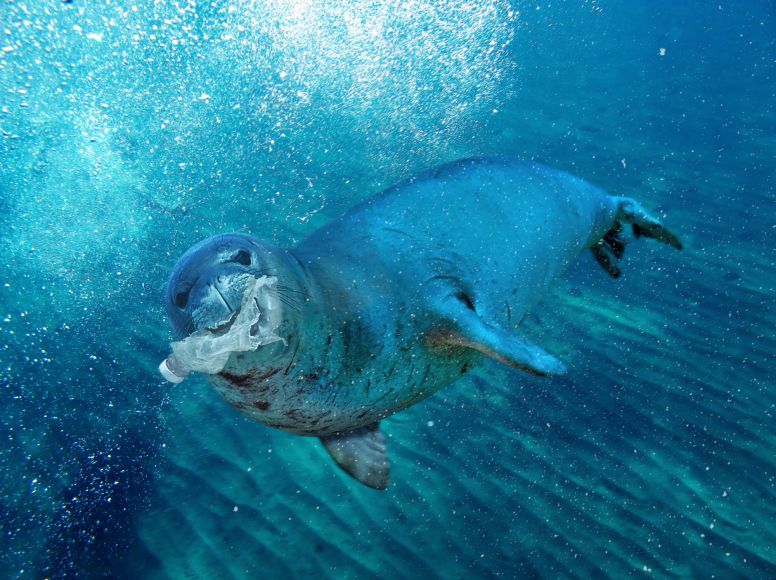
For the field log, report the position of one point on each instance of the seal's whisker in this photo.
(290, 289)
(289, 302)
(292, 303)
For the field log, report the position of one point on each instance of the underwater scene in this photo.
(132, 131)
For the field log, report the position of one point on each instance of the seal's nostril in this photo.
(182, 299)
(241, 257)
(466, 299)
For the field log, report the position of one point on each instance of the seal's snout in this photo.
(206, 286)
(208, 350)
(212, 301)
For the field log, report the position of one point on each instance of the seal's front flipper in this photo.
(361, 454)
(471, 331)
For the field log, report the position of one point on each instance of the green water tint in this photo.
(654, 454)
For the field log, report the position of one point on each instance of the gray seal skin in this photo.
(401, 296)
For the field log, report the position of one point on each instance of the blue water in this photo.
(130, 132)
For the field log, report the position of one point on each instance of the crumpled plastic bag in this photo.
(208, 352)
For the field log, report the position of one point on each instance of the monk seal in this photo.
(397, 298)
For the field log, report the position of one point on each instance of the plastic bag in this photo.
(207, 352)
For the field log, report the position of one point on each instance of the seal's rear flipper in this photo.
(611, 247)
(631, 212)
(471, 331)
(361, 454)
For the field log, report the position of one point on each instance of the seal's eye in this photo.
(242, 257)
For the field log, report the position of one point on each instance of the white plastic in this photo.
(165, 369)
(207, 352)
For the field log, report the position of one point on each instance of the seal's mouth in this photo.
(224, 327)
(253, 305)
(251, 325)
(218, 301)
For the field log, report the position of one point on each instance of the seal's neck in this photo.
(309, 303)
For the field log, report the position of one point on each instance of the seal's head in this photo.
(209, 281)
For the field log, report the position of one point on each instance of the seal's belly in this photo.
(319, 402)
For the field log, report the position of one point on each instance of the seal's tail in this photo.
(609, 249)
